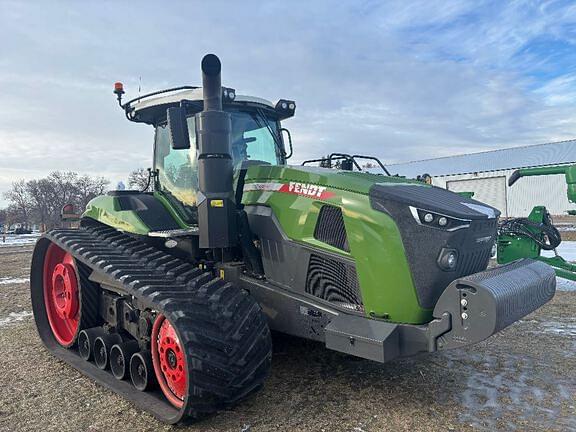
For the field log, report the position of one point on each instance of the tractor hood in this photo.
(315, 182)
(332, 179)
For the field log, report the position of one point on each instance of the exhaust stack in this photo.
(216, 206)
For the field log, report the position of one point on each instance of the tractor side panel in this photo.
(133, 212)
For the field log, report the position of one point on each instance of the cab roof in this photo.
(151, 109)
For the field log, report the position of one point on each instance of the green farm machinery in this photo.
(527, 237)
(168, 297)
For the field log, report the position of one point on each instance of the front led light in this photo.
(448, 259)
(285, 108)
(451, 260)
(431, 219)
(231, 94)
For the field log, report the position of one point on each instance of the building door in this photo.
(489, 190)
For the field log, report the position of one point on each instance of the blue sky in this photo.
(402, 80)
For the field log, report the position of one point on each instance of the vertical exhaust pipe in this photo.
(216, 206)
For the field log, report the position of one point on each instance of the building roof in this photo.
(562, 152)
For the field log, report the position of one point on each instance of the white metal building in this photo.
(486, 174)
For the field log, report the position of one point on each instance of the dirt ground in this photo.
(520, 380)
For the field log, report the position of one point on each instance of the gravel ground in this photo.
(522, 379)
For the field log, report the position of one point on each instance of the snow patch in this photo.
(566, 250)
(18, 240)
(559, 328)
(507, 389)
(14, 317)
(565, 285)
(8, 280)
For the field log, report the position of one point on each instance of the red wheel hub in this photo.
(61, 294)
(169, 361)
(65, 291)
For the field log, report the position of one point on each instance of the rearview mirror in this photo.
(178, 127)
(287, 132)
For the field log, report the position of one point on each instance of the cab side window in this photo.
(177, 169)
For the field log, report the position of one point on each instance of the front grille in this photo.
(473, 261)
(333, 281)
(487, 225)
(423, 246)
(330, 228)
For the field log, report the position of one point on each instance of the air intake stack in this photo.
(216, 206)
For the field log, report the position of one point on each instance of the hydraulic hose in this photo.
(545, 234)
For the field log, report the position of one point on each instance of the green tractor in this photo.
(169, 297)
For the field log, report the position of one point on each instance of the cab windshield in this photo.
(255, 137)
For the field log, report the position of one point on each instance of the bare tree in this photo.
(40, 192)
(139, 179)
(3, 216)
(41, 201)
(89, 188)
(20, 202)
(13, 216)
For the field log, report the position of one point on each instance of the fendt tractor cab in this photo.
(168, 296)
(255, 138)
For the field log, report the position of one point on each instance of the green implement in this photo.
(527, 237)
(568, 170)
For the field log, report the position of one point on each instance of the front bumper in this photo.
(469, 310)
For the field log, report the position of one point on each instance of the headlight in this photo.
(438, 221)
(448, 259)
(228, 94)
(285, 108)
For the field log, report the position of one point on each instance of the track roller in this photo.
(86, 340)
(120, 355)
(142, 371)
(102, 346)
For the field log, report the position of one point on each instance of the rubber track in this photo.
(224, 332)
(89, 299)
